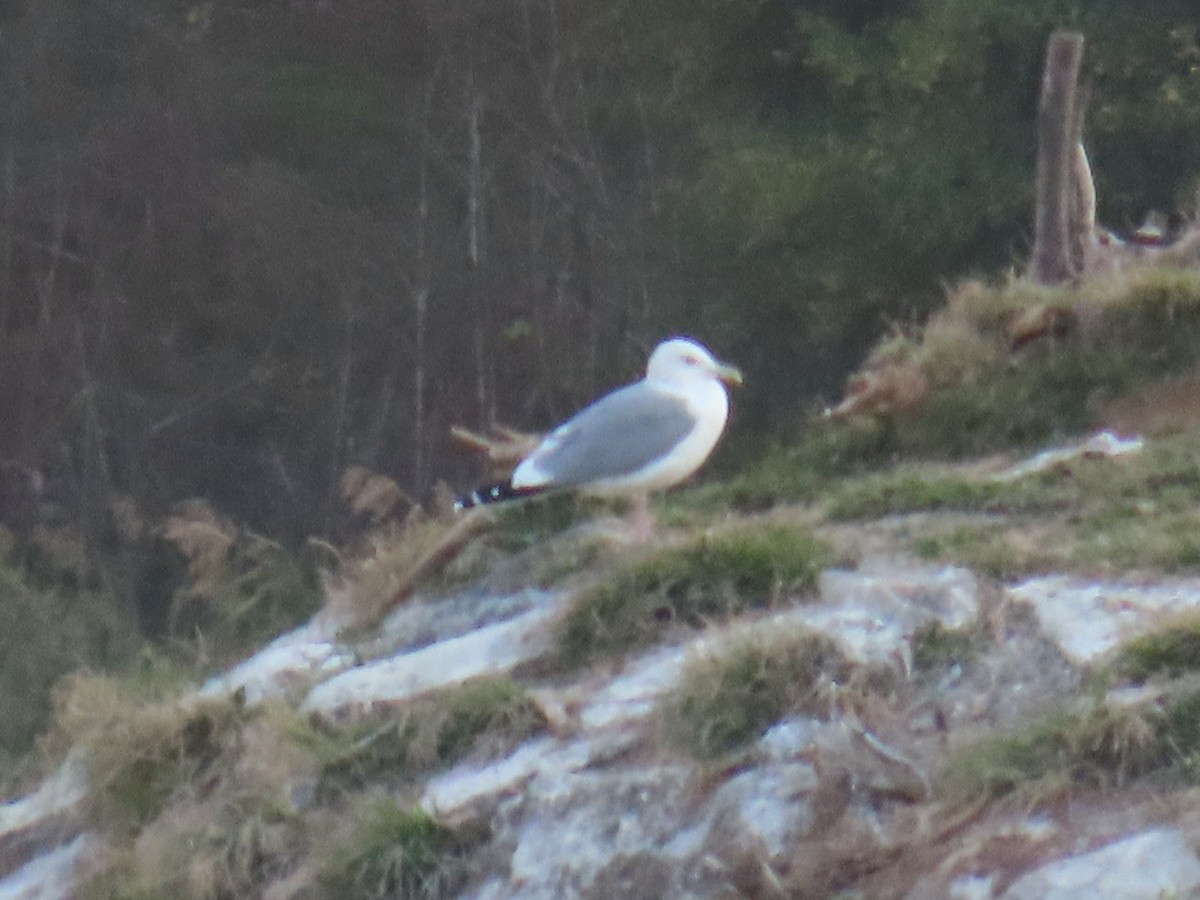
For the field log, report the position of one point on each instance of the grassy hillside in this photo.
(215, 798)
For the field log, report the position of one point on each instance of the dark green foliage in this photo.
(163, 573)
(45, 634)
(397, 852)
(728, 699)
(711, 578)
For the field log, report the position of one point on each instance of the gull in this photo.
(646, 436)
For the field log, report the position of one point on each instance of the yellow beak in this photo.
(731, 375)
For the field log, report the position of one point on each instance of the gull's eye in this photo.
(691, 361)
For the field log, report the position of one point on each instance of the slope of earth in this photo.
(842, 672)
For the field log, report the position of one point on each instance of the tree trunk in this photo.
(1058, 123)
(421, 289)
(475, 251)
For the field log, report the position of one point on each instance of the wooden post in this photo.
(1057, 125)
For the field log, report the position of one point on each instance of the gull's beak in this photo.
(731, 375)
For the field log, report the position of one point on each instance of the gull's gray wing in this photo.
(618, 434)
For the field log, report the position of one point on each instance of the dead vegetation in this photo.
(210, 799)
(373, 498)
(499, 453)
(391, 563)
(1167, 407)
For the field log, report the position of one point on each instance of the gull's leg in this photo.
(636, 527)
(641, 519)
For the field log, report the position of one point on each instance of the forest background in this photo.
(246, 245)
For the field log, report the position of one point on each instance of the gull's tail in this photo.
(494, 493)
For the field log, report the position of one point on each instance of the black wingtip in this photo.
(494, 493)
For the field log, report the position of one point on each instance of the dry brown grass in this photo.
(953, 346)
(203, 537)
(1167, 407)
(394, 561)
(499, 453)
(140, 753)
(195, 798)
(373, 498)
(890, 390)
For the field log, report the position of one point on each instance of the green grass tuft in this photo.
(730, 696)
(1048, 398)
(1102, 748)
(711, 578)
(397, 852)
(1170, 651)
(1182, 731)
(497, 709)
(992, 550)
(487, 715)
(936, 647)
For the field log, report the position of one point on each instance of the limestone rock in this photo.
(1147, 866)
